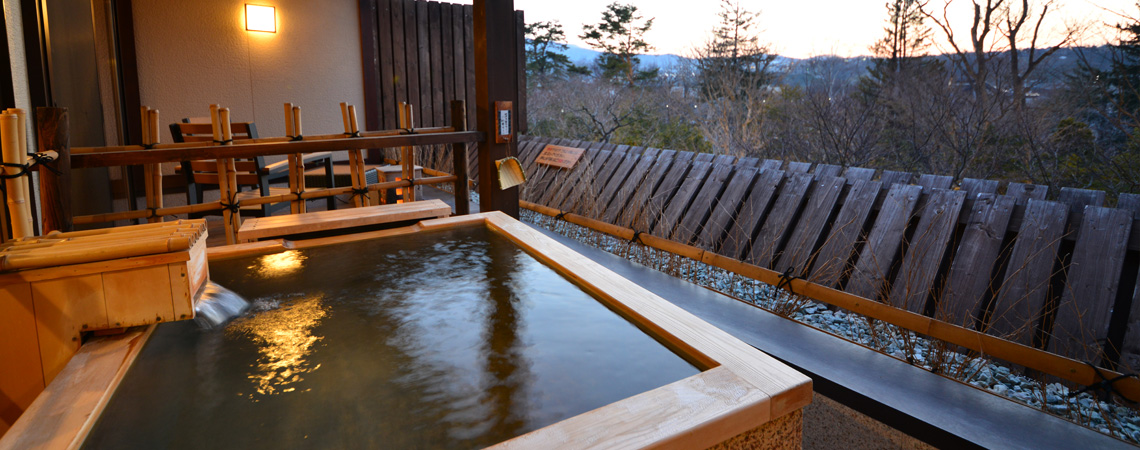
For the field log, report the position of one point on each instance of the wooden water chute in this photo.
(225, 150)
(57, 287)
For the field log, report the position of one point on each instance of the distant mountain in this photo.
(584, 56)
(798, 71)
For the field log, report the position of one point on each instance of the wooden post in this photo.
(18, 207)
(496, 80)
(55, 190)
(459, 159)
(300, 161)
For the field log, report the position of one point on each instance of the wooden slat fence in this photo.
(1059, 274)
(423, 53)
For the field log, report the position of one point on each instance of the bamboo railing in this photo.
(224, 149)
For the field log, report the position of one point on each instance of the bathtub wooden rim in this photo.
(739, 389)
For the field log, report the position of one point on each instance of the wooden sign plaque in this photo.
(559, 156)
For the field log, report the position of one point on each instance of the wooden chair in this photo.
(251, 172)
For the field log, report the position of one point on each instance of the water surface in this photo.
(454, 339)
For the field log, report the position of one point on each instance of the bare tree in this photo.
(732, 70)
(1004, 27)
(1016, 19)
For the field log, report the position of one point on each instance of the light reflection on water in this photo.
(285, 339)
(279, 264)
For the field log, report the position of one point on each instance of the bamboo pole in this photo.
(1033, 358)
(231, 175)
(96, 243)
(50, 257)
(294, 187)
(271, 140)
(131, 229)
(357, 201)
(362, 169)
(214, 206)
(140, 214)
(25, 185)
(227, 196)
(132, 234)
(408, 154)
(345, 190)
(248, 149)
(300, 160)
(152, 172)
(148, 169)
(18, 207)
(155, 138)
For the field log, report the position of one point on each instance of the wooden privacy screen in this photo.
(1057, 274)
(423, 53)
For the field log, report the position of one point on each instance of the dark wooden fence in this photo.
(1053, 268)
(423, 53)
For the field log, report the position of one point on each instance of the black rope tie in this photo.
(299, 195)
(354, 134)
(38, 159)
(362, 192)
(409, 131)
(1105, 384)
(296, 138)
(149, 146)
(637, 237)
(234, 206)
(786, 280)
(152, 213)
(561, 215)
(224, 142)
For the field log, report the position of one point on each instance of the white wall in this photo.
(192, 54)
(15, 32)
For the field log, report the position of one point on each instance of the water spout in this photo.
(218, 305)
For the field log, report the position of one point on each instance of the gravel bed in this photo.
(1109, 417)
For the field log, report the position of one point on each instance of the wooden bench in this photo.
(277, 226)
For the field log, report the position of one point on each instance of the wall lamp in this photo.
(260, 18)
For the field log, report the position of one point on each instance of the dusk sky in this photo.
(801, 28)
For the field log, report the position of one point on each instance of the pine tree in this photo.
(620, 36)
(906, 36)
(544, 47)
(1123, 78)
(733, 59)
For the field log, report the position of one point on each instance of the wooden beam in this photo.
(249, 150)
(496, 80)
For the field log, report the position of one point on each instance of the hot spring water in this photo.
(218, 305)
(452, 339)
